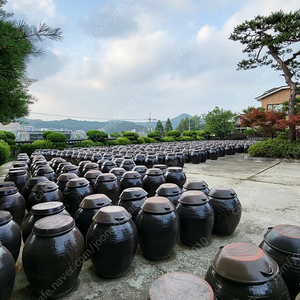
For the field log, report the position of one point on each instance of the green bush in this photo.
(130, 135)
(168, 139)
(122, 141)
(84, 144)
(175, 133)
(188, 138)
(45, 134)
(97, 135)
(190, 133)
(40, 144)
(154, 135)
(4, 152)
(56, 137)
(141, 140)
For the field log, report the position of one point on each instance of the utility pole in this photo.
(150, 122)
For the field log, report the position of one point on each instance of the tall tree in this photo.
(184, 124)
(160, 128)
(168, 126)
(220, 122)
(18, 43)
(273, 41)
(197, 123)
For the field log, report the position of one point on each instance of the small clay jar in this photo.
(112, 239)
(76, 190)
(81, 165)
(107, 166)
(70, 169)
(130, 179)
(53, 250)
(203, 155)
(169, 190)
(63, 179)
(88, 207)
(152, 180)
(118, 172)
(91, 176)
(162, 167)
(175, 175)
(158, 228)
(150, 161)
(7, 273)
(55, 162)
(11, 200)
(10, 234)
(170, 160)
(40, 211)
(45, 171)
(29, 185)
(196, 218)
(132, 199)
(108, 184)
(127, 164)
(19, 177)
(140, 159)
(89, 166)
(141, 169)
(194, 184)
(44, 192)
(60, 167)
(161, 158)
(7, 184)
(227, 209)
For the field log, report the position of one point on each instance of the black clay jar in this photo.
(53, 250)
(141, 169)
(169, 190)
(203, 155)
(152, 180)
(162, 167)
(194, 184)
(81, 165)
(91, 176)
(244, 271)
(132, 199)
(112, 239)
(29, 185)
(63, 179)
(40, 211)
(107, 166)
(130, 179)
(70, 169)
(11, 200)
(180, 285)
(127, 164)
(75, 191)
(108, 184)
(6, 184)
(161, 158)
(213, 154)
(19, 177)
(10, 234)
(140, 159)
(44, 192)
(46, 171)
(175, 175)
(158, 228)
(282, 243)
(88, 207)
(7, 273)
(195, 156)
(170, 160)
(89, 166)
(227, 208)
(150, 161)
(118, 172)
(196, 218)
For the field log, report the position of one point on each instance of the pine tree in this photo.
(168, 126)
(160, 128)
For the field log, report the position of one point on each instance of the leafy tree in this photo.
(197, 123)
(131, 136)
(160, 128)
(46, 133)
(115, 135)
(273, 41)
(168, 126)
(220, 122)
(18, 43)
(174, 133)
(184, 124)
(96, 135)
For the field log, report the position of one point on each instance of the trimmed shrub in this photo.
(45, 134)
(190, 133)
(4, 152)
(40, 144)
(97, 135)
(141, 140)
(122, 141)
(175, 133)
(84, 144)
(188, 138)
(154, 135)
(56, 137)
(168, 139)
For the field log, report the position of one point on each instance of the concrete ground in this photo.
(269, 192)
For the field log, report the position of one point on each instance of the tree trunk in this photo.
(292, 110)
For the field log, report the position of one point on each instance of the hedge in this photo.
(4, 152)
(40, 144)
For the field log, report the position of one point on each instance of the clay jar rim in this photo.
(95, 201)
(174, 170)
(31, 182)
(64, 177)
(92, 174)
(9, 190)
(222, 193)
(45, 187)
(133, 193)
(158, 205)
(244, 263)
(117, 171)
(116, 215)
(47, 208)
(140, 168)
(195, 185)
(77, 182)
(168, 189)
(17, 172)
(52, 226)
(106, 177)
(154, 172)
(284, 238)
(7, 184)
(193, 197)
(131, 175)
(5, 217)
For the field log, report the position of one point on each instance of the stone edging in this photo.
(272, 159)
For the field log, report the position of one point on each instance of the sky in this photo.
(127, 59)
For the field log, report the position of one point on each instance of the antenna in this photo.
(150, 122)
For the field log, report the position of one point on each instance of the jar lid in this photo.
(160, 166)
(222, 193)
(64, 177)
(17, 172)
(46, 186)
(244, 262)
(158, 205)
(117, 171)
(69, 168)
(193, 197)
(95, 201)
(47, 208)
(5, 217)
(112, 215)
(44, 170)
(34, 180)
(53, 225)
(284, 238)
(174, 169)
(131, 175)
(194, 184)
(91, 165)
(77, 182)
(9, 190)
(83, 162)
(154, 172)
(92, 174)
(7, 184)
(140, 168)
(106, 177)
(133, 193)
(168, 189)
(108, 163)
(128, 161)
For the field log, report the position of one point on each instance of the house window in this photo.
(274, 107)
